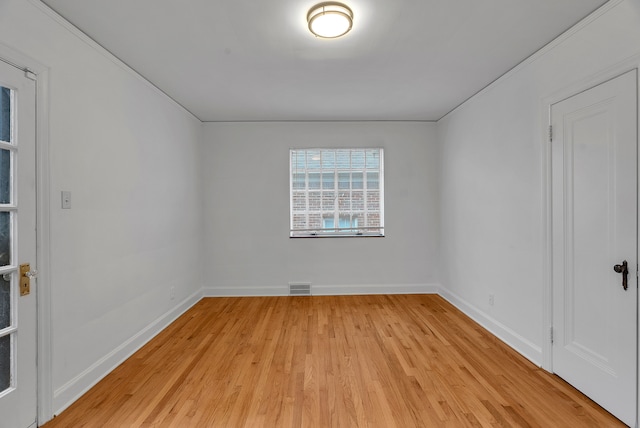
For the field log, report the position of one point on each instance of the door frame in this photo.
(546, 104)
(43, 243)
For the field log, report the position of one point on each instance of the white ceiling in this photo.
(255, 60)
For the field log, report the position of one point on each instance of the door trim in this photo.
(43, 229)
(546, 104)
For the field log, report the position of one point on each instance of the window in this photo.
(336, 192)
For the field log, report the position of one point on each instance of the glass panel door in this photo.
(18, 378)
(8, 327)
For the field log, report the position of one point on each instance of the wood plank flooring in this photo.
(344, 361)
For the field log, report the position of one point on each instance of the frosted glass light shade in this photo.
(330, 20)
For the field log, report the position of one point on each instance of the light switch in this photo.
(66, 200)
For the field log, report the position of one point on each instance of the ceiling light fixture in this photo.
(330, 20)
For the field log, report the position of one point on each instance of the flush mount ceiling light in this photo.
(330, 20)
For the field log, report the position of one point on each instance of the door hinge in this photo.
(551, 133)
(30, 74)
(551, 334)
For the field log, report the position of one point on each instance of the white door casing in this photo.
(594, 227)
(18, 402)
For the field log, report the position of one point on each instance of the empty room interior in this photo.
(184, 243)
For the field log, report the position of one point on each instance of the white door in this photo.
(17, 247)
(595, 211)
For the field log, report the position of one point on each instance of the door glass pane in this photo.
(5, 302)
(5, 176)
(5, 114)
(5, 362)
(5, 238)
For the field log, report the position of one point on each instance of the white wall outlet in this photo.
(172, 293)
(66, 200)
(492, 299)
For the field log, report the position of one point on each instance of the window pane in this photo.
(357, 159)
(373, 201)
(343, 180)
(5, 238)
(298, 160)
(344, 201)
(314, 180)
(299, 221)
(298, 180)
(373, 220)
(328, 201)
(328, 180)
(5, 302)
(373, 159)
(314, 201)
(356, 180)
(5, 176)
(5, 114)
(344, 221)
(313, 159)
(357, 201)
(315, 221)
(328, 221)
(373, 181)
(343, 159)
(348, 223)
(328, 159)
(299, 201)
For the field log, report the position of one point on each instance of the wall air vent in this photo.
(299, 289)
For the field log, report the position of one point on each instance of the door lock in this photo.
(624, 270)
(25, 278)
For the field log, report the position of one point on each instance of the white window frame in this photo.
(361, 218)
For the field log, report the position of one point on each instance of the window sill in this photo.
(344, 235)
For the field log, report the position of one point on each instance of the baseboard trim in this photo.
(323, 290)
(68, 393)
(341, 290)
(245, 291)
(518, 343)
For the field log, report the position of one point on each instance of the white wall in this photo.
(246, 181)
(130, 156)
(493, 174)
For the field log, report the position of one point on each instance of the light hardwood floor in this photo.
(346, 361)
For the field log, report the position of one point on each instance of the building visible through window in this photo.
(336, 192)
